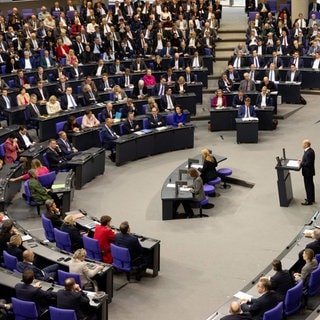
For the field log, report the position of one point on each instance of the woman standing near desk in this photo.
(208, 171)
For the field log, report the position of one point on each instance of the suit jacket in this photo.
(251, 86)
(276, 74)
(23, 65)
(28, 292)
(108, 138)
(17, 82)
(75, 300)
(3, 104)
(128, 128)
(236, 76)
(101, 84)
(64, 146)
(136, 92)
(64, 101)
(55, 219)
(180, 62)
(242, 111)
(307, 163)
(259, 100)
(260, 60)
(55, 159)
(38, 273)
(258, 306)
(200, 61)
(112, 68)
(236, 101)
(72, 72)
(30, 113)
(37, 77)
(215, 101)
(156, 123)
(103, 70)
(297, 76)
(44, 91)
(177, 88)
(88, 99)
(143, 66)
(223, 87)
(164, 103)
(279, 62)
(75, 236)
(300, 63)
(131, 242)
(21, 142)
(281, 282)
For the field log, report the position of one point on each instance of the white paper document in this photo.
(293, 163)
(242, 295)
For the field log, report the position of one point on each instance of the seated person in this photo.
(71, 125)
(56, 159)
(155, 119)
(108, 112)
(168, 102)
(263, 98)
(24, 139)
(181, 86)
(311, 264)
(119, 94)
(140, 91)
(281, 281)
(7, 230)
(129, 107)
(108, 137)
(89, 95)
(12, 150)
(239, 99)
(196, 189)
(29, 291)
(149, 79)
(15, 246)
(66, 147)
(53, 105)
(236, 313)
(53, 213)
(247, 110)
(126, 240)
(219, 100)
(150, 105)
(69, 226)
(130, 125)
(105, 235)
(208, 171)
(224, 83)
(89, 120)
(79, 266)
(4, 308)
(268, 300)
(46, 274)
(179, 117)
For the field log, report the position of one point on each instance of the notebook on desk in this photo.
(75, 214)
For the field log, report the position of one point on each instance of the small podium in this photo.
(284, 180)
(247, 130)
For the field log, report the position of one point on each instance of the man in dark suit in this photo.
(308, 171)
(105, 84)
(24, 139)
(66, 147)
(55, 157)
(189, 76)
(235, 313)
(177, 62)
(68, 100)
(232, 74)
(32, 292)
(72, 297)
(266, 82)
(21, 80)
(267, 300)
(168, 102)
(272, 73)
(108, 137)
(76, 72)
(100, 69)
(45, 274)
(263, 98)
(140, 91)
(5, 101)
(126, 240)
(117, 68)
(130, 125)
(277, 61)
(155, 119)
(42, 93)
(239, 99)
(282, 280)
(32, 111)
(247, 110)
(293, 75)
(263, 8)
(314, 6)
(297, 60)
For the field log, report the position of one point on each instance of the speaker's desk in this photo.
(247, 130)
(168, 192)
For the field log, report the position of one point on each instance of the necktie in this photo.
(256, 62)
(252, 75)
(247, 112)
(7, 102)
(106, 84)
(188, 78)
(127, 81)
(72, 102)
(41, 92)
(35, 108)
(110, 114)
(91, 94)
(247, 85)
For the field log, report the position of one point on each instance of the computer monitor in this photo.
(191, 161)
(181, 172)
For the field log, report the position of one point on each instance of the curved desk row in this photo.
(169, 193)
(154, 141)
(225, 119)
(288, 257)
(9, 279)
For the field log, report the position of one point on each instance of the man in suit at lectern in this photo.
(308, 171)
(246, 111)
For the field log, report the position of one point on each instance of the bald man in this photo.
(308, 171)
(236, 313)
(46, 274)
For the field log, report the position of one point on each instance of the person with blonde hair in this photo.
(69, 226)
(53, 105)
(14, 246)
(78, 265)
(208, 171)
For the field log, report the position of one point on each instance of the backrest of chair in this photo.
(10, 261)
(24, 310)
(100, 117)
(314, 282)
(63, 275)
(59, 126)
(62, 314)
(92, 247)
(121, 258)
(292, 301)
(48, 228)
(274, 313)
(145, 123)
(46, 180)
(11, 83)
(63, 241)
(2, 150)
(79, 120)
(169, 119)
(45, 160)
(318, 258)
(28, 193)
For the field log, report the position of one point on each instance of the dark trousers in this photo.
(309, 186)
(186, 206)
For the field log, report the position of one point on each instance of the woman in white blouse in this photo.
(53, 105)
(89, 120)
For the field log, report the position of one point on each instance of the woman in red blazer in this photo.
(219, 100)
